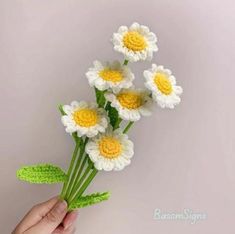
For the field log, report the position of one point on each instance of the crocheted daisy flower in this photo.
(163, 86)
(112, 76)
(131, 103)
(136, 43)
(84, 118)
(110, 150)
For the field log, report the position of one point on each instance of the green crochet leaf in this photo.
(100, 99)
(89, 200)
(41, 174)
(113, 116)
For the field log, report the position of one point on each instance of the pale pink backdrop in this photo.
(183, 158)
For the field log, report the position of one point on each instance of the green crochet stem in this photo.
(125, 62)
(128, 127)
(60, 107)
(79, 182)
(85, 185)
(71, 166)
(74, 173)
(87, 182)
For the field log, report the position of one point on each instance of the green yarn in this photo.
(100, 99)
(113, 116)
(89, 200)
(128, 127)
(41, 174)
(60, 107)
(125, 62)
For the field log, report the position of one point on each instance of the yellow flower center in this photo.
(163, 84)
(85, 117)
(111, 75)
(134, 41)
(130, 99)
(110, 147)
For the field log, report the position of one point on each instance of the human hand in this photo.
(50, 217)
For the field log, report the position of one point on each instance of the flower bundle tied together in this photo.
(100, 128)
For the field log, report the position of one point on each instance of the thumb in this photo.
(51, 220)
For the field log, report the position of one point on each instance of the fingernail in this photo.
(61, 206)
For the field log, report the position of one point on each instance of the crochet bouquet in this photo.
(99, 129)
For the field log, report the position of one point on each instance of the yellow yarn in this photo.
(163, 84)
(110, 147)
(111, 75)
(134, 41)
(85, 117)
(130, 99)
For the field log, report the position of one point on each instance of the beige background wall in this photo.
(184, 158)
